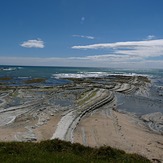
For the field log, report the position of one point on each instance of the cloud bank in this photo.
(132, 49)
(129, 53)
(89, 61)
(38, 43)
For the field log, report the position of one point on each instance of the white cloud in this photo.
(150, 37)
(143, 49)
(128, 44)
(82, 36)
(38, 43)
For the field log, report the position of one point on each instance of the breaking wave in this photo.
(80, 75)
(91, 75)
(10, 68)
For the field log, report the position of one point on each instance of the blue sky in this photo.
(98, 33)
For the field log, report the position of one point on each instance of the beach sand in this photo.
(122, 131)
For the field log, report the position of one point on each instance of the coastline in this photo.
(87, 111)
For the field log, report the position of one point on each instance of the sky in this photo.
(82, 33)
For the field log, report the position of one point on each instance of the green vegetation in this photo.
(144, 79)
(35, 80)
(5, 78)
(86, 96)
(57, 151)
(81, 80)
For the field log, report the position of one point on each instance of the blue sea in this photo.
(58, 75)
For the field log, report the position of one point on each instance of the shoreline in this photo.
(87, 111)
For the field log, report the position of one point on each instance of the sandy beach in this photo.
(121, 131)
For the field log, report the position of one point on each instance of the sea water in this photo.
(59, 75)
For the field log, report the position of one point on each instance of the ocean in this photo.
(57, 75)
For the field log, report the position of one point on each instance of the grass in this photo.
(57, 151)
(85, 97)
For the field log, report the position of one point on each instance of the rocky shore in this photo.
(125, 112)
